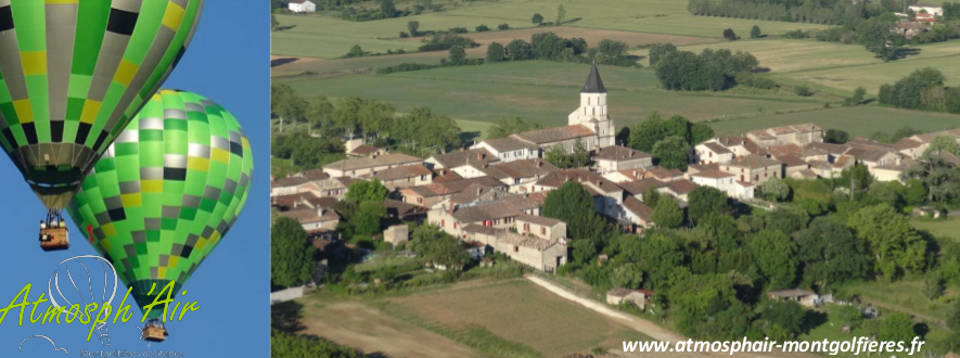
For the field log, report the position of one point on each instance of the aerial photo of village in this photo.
(559, 178)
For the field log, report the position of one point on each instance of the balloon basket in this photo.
(54, 238)
(154, 332)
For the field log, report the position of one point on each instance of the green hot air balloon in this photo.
(165, 193)
(72, 75)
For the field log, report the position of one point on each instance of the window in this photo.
(516, 249)
(443, 223)
(526, 227)
(543, 231)
(454, 224)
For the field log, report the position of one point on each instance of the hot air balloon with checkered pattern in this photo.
(165, 193)
(72, 75)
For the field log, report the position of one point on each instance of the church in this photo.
(589, 124)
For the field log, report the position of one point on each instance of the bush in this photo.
(755, 32)
(440, 42)
(482, 28)
(458, 30)
(796, 34)
(803, 91)
(730, 35)
(404, 67)
(750, 79)
(503, 27)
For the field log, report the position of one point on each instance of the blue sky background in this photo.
(228, 62)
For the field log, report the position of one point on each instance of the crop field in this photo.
(541, 91)
(858, 121)
(667, 17)
(519, 311)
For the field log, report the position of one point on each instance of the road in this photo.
(641, 325)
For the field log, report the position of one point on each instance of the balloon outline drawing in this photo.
(54, 282)
(48, 339)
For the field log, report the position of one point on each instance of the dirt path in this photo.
(641, 325)
(934, 320)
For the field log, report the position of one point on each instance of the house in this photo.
(637, 216)
(799, 134)
(396, 234)
(520, 175)
(541, 254)
(453, 160)
(398, 211)
(678, 189)
(329, 187)
(803, 297)
(620, 295)
(637, 188)
(320, 221)
(368, 166)
(287, 186)
(432, 194)
(301, 6)
(717, 179)
(712, 152)
(365, 151)
(932, 9)
(589, 125)
(301, 200)
(753, 169)
(501, 214)
(663, 174)
(616, 158)
(404, 176)
(542, 227)
(509, 149)
(740, 146)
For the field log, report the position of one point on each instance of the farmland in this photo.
(667, 17)
(482, 313)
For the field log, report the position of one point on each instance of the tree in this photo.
(672, 152)
(572, 204)
(729, 34)
(857, 178)
(537, 19)
(700, 132)
(510, 126)
(627, 275)
(362, 190)
(781, 320)
(775, 190)
(274, 24)
(289, 345)
(915, 193)
(291, 253)
(755, 32)
(659, 51)
(895, 326)
(830, 254)
(561, 14)
(803, 91)
(611, 52)
(942, 144)
(495, 52)
(953, 318)
(938, 177)
(897, 247)
(667, 213)
(651, 196)
(836, 136)
(518, 50)
(413, 27)
(355, 51)
(646, 133)
(857, 98)
(875, 34)
(285, 104)
(366, 220)
(775, 256)
(387, 8)
(435, 246)
(457, 55)
(704, 201)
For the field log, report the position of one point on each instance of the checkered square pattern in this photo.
(167, 190)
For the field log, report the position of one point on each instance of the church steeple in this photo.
(594, 83)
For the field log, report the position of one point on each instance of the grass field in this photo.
(652, 16)
(521, 312)
(544, 92)
(858, 121)
(949, 228)
(906, 296)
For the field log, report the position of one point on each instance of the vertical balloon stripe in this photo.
(74, 73)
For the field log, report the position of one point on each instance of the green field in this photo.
(651, 16)
(544, 92)
(948, 229)
(858, 121)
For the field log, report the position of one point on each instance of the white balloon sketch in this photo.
(71, 270)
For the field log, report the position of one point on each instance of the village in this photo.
(490, 194)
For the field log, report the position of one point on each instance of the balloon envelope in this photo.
(166, 192)
(73, 74)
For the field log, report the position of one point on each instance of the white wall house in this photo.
(509, 149)
(934, 10)
(302, 6)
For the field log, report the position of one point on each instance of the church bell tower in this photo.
(592, 112)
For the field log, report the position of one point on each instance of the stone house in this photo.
(520, 175)
(542, 227)
(509, 149)
(619, 295)
(637, 216)
(803, 297)
(753, 169)
(404, 176)
(711, 152)
(616, 158)
(396, 234)
(368, 166)
(541, 254)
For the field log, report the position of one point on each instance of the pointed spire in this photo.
(594, 83)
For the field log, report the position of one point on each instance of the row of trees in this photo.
(713, 70)
(922, 89)
(549, 46)
(838, 12)
(418, 131)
